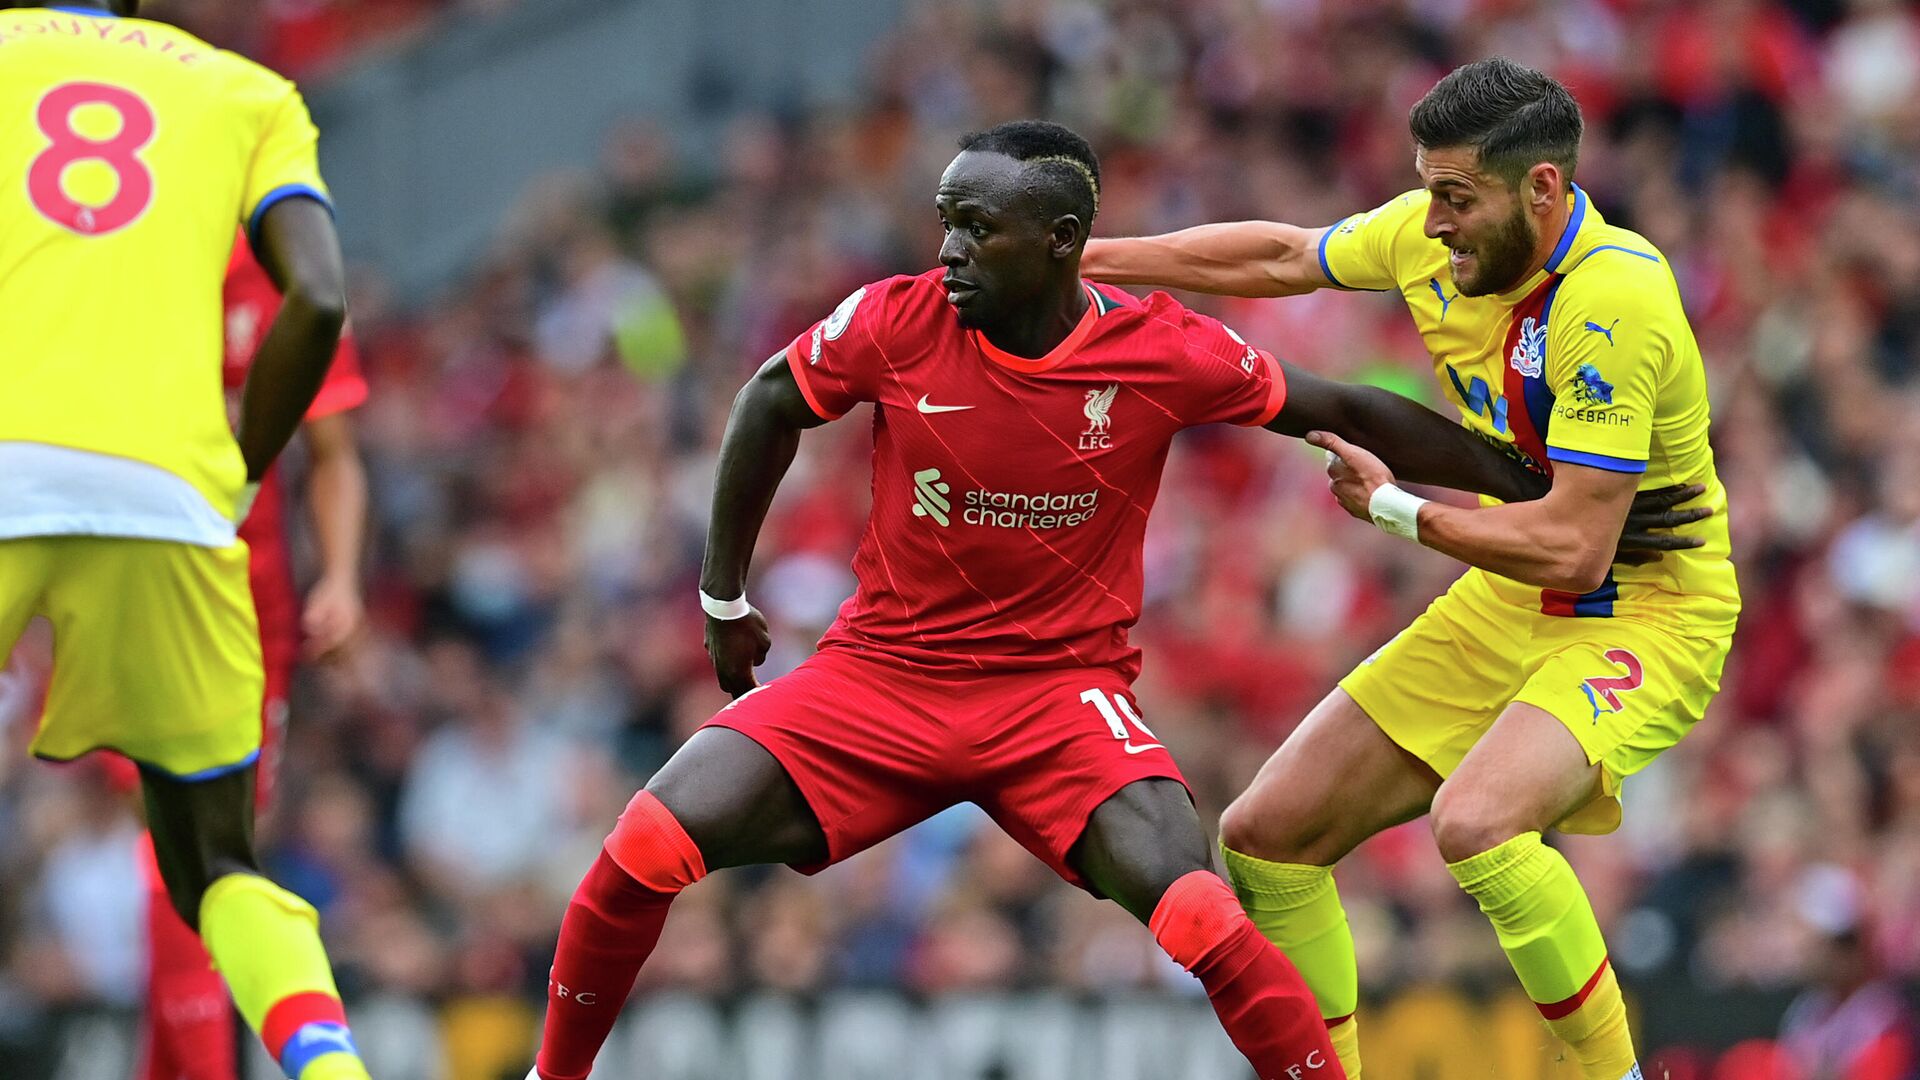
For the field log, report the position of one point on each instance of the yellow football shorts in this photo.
(155, 653)
(1627, 687)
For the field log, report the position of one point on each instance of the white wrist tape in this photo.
(725, 610)
(1396, 511)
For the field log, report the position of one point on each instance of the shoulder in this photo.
(249, 82)
(1189, 332)
(1621, 275)
(1407, 206)
(902, 298)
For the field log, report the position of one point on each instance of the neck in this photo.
(1552, 228)
(1034, 330)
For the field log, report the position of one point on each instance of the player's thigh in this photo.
(1625, 689)
(1045, 749)
(156, 654)
(737, 803)
(1525, 774)
(1439, 685)
(1335, 781)
(1142, 839)
(848, 746)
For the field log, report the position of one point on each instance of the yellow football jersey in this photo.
(129, 150)
(1590, 361)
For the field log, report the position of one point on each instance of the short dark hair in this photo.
(1058, 152)
(1514, 116)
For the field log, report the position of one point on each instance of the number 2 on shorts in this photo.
(1098, 698)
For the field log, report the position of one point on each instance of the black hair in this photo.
(1056, 152)
(1514, 116)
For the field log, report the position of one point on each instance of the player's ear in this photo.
(1066, 235)
(1542, 185)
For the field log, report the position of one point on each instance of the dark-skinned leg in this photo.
(1144, 848)
(202, 831)
(264, 940)
(721, 801)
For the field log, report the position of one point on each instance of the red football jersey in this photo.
(251, 303)
(1010, 495)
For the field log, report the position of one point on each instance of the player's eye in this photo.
(978, 230)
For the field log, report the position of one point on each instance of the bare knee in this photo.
(1267, 825)
(1469, 818)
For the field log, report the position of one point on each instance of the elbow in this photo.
(1581, 570)
(322, 309)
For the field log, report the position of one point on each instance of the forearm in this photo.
(337, 493)
(1240, 258)
(1524, 541)
(1423, 447)
(755, 454)
(287, 372)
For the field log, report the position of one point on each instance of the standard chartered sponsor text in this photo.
(1004, 509)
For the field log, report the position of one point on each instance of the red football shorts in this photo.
(876, 747)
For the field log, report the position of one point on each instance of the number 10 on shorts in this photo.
(1100, 700)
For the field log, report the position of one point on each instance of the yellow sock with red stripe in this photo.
(1546, 925)
(1298, 909)
(266, 942)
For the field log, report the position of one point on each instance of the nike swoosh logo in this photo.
(1132, 749)
(926, 408)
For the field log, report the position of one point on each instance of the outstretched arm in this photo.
(763, 433)
(1237, 258)
(1418, 444)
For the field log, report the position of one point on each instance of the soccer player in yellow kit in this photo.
(129, 150)
(1548, 673)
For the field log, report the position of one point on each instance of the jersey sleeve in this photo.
(1224, 379)
(837, 362)
(286, 161)
(1360, 252)
(1609, 345)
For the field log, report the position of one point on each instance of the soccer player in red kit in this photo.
(189, 1031)
(1022, 420)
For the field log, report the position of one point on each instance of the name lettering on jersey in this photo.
(933, 498)
(1529, 356)
(103, 28)
(1099, 403)
(1480, 399)
(1603, 417)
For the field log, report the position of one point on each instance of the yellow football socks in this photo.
(1298, 909)
(1546, 925)
(266, 942)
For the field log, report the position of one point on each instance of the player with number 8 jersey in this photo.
(129, 152)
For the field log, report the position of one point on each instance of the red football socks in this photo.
(189, 1028)
(1262, 1002)
(610, 928)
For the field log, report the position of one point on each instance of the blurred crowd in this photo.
(541, 438)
